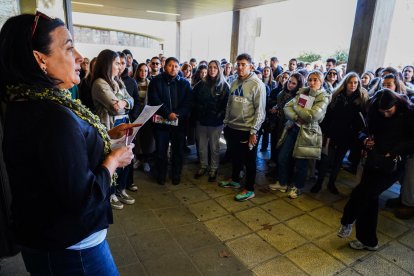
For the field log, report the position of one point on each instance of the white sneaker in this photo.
(345, 231)
(278, 187)
(115, 203)
(125, 198)
(294, 193)
(146, 167)
(356, 244)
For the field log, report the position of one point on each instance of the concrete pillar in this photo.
(67, 5)
(244, 32)
(178, 41)
(370, 34)
(234, 47)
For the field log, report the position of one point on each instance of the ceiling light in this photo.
(87, 4)
(166, 13)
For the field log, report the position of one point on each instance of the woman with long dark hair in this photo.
(388, 137)
(85, 87)
(145, 143)
(210, 100)
(60, 177)
(340, 127)
(112, 105)
(277, 117)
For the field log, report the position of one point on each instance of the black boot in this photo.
(317, 187)
(332, 188)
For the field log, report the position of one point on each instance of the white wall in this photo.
(159, 29)
(206, 37)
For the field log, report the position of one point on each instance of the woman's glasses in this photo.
(332, 73)
(36, 20)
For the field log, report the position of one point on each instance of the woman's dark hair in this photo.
(279, 77)
(389, 70)
(220, 80)
(270, 77)
(92, 64)
(123, 56)
(385, 99)
(378, 72)
(103, 67)
(196, 76)
(136, 76)
(398, 86)
(17, 62)
(301, 83)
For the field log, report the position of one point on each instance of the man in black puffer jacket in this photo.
(174, 93)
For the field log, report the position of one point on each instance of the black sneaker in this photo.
(393, 202)
(161, 181)
(176, 181)
(333, 189)
(200, 173)
(212, 176)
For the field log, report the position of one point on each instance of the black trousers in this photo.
(242, 155)
(362, 206)
(162, 140)
(331, 161)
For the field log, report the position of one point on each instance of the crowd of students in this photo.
(312, 118)
(65, 179)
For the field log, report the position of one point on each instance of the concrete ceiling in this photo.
(187, 9)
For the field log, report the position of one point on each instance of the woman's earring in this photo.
(44, 70)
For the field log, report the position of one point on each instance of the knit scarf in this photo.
(63, 97)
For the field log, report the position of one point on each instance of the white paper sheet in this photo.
(145, 115)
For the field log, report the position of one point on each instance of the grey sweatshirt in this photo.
(246, 107)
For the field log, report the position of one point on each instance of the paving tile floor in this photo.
(196, 228)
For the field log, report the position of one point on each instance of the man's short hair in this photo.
(274, 59)
(193, 60)
(127, 52)
(331, 60)
(244, 56)
(156, 58)
(167, 61)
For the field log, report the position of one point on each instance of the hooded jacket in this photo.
(246, 107)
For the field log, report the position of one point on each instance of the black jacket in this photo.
(59, 187)
(132, 88)
(174, 94)
(210, 103)
(343, 121)
(394, 135)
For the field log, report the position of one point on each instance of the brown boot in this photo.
(404, 212)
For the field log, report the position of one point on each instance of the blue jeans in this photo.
(285, 158)
(96, 260)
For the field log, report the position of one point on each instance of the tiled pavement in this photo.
(196, 228)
